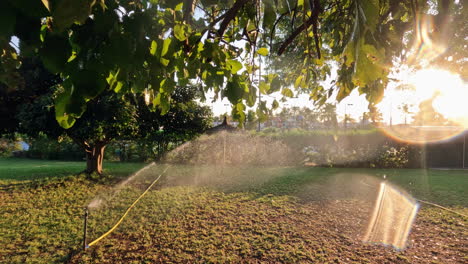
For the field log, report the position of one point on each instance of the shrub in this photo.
(44, 148)
(8, 147)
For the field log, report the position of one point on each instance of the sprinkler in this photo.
(85, 227)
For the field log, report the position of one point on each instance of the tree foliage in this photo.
(36, 82)
(110, 115)
(147, 46)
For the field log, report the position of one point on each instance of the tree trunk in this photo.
(94, 158)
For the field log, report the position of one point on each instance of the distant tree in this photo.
(428, 116)
(348, 120)
(251, 119)
(327, 114)
(374, 115)
(405, 108)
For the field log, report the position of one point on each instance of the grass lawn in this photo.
(212, 215)
(15, 170)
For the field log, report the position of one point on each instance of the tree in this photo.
(374, 115)
(327, 114)
(185, 120)
(110, 117)
(348, 120)
(162, 42)
(428, 116)
(36, 82)
(405, 108)
(251, 119)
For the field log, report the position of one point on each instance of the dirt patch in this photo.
(214, 227)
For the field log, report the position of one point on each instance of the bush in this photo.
(45, 148)
(347, 148)
(8, 147)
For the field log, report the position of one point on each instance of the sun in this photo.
(427, 105)
(448, 90)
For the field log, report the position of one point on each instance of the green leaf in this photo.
(67, 12)
(287, 92)
(165, 47)
(87, 84)
(181, 32)
(275, 85)
(238, 113)
(269, 15)
(264, 87)
(68, 107)
(298, 81)
(342, 92)
(262, 51)
(154, 47)
(367, 67)
(167, 86)
(369, 10)
(300, 3)
(163, 103)
(234, 66)
(179, 6)
(164, 62)
(251, 96)
(275, 104)
(233, 91)
(55, 52)
(113, 81)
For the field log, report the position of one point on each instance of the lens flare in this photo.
(391, 220)
(425, 49)
(438, 101)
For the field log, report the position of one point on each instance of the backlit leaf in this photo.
(165, 47)
(234, 66)
(154, 47)
(287, 92)
(262, 51)
(181, 32)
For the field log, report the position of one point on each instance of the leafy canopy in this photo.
(149, 46)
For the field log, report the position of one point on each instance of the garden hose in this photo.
(441, 207)
(128, 210)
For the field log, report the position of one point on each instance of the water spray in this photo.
(86, 245)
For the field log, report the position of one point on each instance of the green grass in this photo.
(443, 187)
(212, 214)
(17, 170)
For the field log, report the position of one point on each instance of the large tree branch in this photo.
(80, 143)
(189, 8)
(293, 35)
(230, 15)
(313, 20)
(275, 24)
(316, 10)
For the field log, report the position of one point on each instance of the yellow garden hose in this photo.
(128, 210)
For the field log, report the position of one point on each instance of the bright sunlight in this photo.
(449, 92)
(435, 99)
